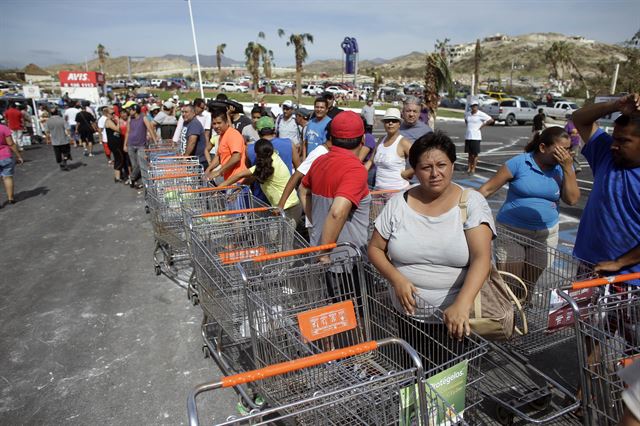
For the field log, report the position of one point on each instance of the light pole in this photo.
(195, 45)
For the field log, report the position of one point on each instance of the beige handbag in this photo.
(493, 312)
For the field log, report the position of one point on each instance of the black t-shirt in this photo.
(334, 111)
(84, 120)
(538, 121)
(241, 123)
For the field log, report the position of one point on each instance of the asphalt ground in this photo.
(90, 334)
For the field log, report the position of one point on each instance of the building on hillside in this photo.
(635, 40)
(496, 37)
(457, 51)
(34, 74)
(581, 39)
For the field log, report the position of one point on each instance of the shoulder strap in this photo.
(462, 204)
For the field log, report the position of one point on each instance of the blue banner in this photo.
(350, 49)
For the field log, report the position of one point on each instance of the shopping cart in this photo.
(170, 254)
(379, 199)
(195, 202)
(232, 236)
(369, 400)
(606, 316)
(500, 384)
(536, 272)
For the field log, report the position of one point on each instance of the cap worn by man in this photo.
(347, 125)
(168, 104)
(287, 104)
(303, 112)
(154, 107)
(474, 103)
(129, 104)
(265, 123)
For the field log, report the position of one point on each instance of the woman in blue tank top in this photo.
(538, 179)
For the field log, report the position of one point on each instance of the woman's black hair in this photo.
(434, 140)
(264, 164)
(258, 109)
(548, 137)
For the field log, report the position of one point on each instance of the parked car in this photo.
(119, 84)
(455, 103)
(512, 112)
(500, 96)
(157, 82)
(335, 90)
(275, 90)
(209, 85)
(230, 86)
(560, 110)
(312, 90)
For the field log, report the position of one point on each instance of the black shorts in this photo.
(472, 146)
(86, 135)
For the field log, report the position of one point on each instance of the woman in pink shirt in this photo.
(7, 162)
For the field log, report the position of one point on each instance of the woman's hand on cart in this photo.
(456, 318)
(405, 291)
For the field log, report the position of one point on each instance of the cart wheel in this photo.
(504, 416)
(146, 209)
(541, 404)
(206, 351)
(158, 270)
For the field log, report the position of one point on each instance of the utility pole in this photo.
(195, 45)
(614, 80)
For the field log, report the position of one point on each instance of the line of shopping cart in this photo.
(294, 328)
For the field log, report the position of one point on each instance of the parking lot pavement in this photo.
(89, 334)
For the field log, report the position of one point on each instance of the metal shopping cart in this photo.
(370, 400)
(303, 302)
(502, 385)
(195, 202)
(379, 199)
(606, 316)
(535, 273)
(232, 236)
(170, 253)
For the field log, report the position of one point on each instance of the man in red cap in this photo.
(338, 197)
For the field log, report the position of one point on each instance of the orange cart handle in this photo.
(214, 188)
(384, 191)
(229, 212)
(579, 285)
(298, 364)
(289, 253)
(176, 176)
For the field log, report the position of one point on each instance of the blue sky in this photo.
(46, 31)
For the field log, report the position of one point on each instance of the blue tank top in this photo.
(137, 131)
(284, 147)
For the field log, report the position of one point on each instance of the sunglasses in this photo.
(390, 121)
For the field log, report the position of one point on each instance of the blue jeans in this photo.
(7, 167)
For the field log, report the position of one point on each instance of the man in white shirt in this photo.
(368, 114)
(286, 126)
(101, 125)
(70, 119)
(475, 121)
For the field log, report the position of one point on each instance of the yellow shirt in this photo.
(274, 186)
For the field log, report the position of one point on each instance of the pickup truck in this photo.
(560, 110)
(511, 112)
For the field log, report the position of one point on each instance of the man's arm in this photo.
(191, 145)
(585, 118)
(9, 141)
(338, 214)
(233, 161)
(630, 258)
(150, 130)
(125, 146)
(293, 181)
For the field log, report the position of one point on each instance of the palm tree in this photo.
(377, 81)
(267, 64)
(102, 54)
(476, 66)
(253, 53)
(298, 41)
(436, 78)
(219, 52)
(441, 46)
(561, 56)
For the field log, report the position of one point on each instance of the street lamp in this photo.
(195, 45)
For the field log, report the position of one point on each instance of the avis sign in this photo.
(81, 79)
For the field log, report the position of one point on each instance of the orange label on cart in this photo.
(327, 321)
(625, 362)
(235, 256)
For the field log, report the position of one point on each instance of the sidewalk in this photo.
(90, 334)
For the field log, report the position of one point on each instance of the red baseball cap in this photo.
(347, 125)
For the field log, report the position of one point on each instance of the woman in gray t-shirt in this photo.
(421, 245)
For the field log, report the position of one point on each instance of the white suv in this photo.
(229, 86)
(312, 90)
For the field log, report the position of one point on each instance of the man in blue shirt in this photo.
(316, 131)
(609, 232)
(192, 137)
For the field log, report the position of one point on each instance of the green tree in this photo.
(298, 41)
(437, 77)
(377, 82)
(102, 54)
(254, 53)
(219, 52)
